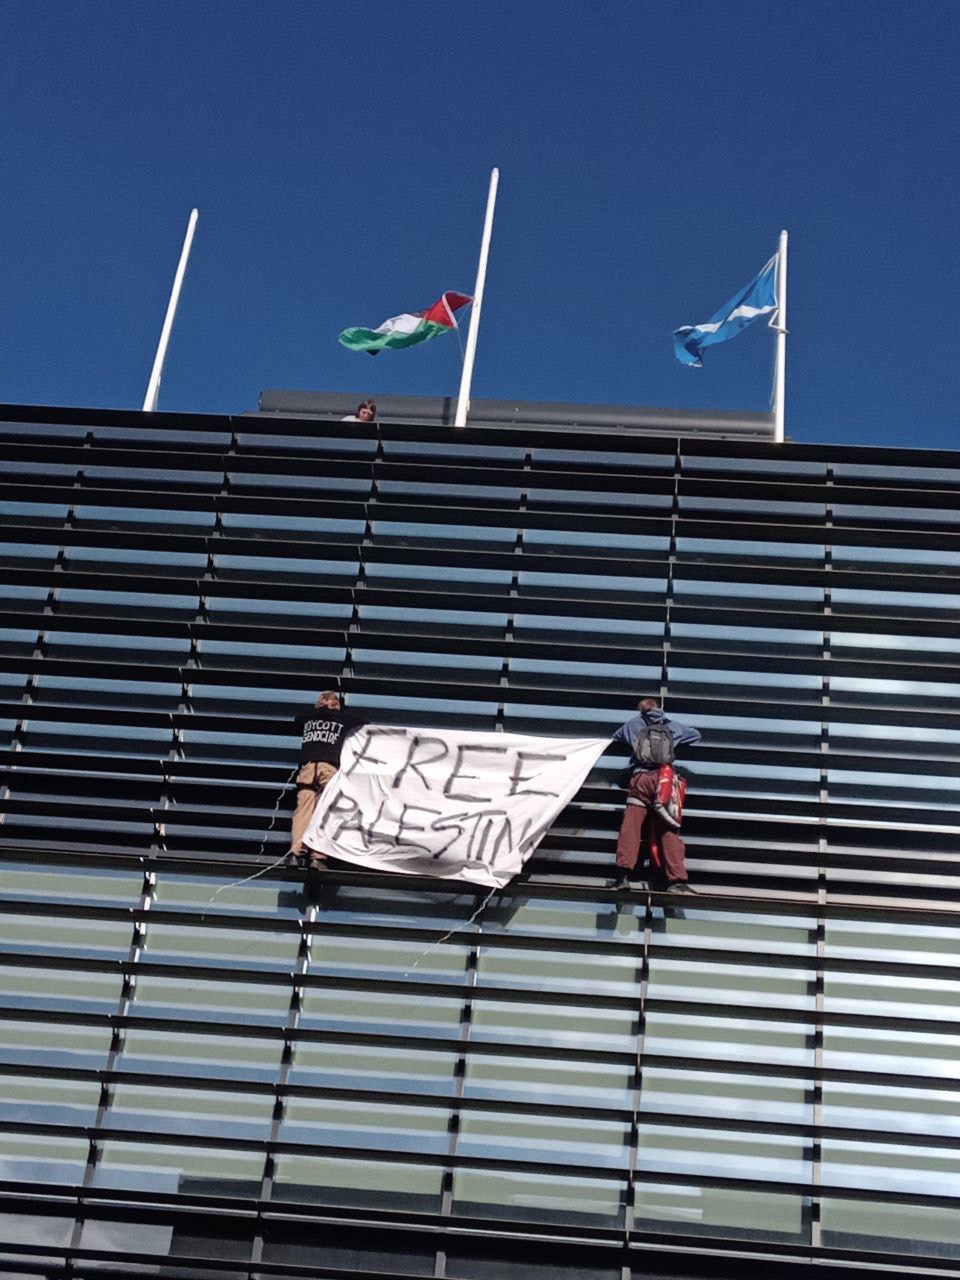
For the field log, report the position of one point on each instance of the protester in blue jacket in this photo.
(653, 788)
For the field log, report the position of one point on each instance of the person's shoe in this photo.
(622, 880)
(680, 886)
(667, 816)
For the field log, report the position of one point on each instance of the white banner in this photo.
(449, 803)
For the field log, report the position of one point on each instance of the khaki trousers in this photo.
(312, 777)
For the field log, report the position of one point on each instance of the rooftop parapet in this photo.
(710, 424)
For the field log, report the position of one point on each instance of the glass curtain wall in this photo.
(360, 1077)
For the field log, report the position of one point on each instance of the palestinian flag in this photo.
(409, 329)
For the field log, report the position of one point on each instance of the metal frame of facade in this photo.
(636, 536)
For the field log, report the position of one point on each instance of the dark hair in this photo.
(366, 404)
(649, 697)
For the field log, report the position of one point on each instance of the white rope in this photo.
(456, 929)
(418, 1004)
(424, 954)
(273, 865)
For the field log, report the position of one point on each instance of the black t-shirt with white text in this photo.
(322, 732)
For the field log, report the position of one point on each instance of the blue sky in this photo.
(340, 154)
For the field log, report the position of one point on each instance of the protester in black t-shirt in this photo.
(322, 730)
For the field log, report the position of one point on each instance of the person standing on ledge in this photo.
(366, 412)
(322, 729)
(655, 789)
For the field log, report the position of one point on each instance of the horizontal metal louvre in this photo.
(254, 1079)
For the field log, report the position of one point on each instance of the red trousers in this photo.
(668, 854)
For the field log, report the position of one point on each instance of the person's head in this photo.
(328, 701)
(648, 703)
(366, 411)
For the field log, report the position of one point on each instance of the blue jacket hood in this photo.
(626, 735)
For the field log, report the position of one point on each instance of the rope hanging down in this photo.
(236, 884)
(273, 865)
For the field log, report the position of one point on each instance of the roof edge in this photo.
(441, 410)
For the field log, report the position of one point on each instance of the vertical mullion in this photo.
(816, 1147)
(286, 1062)
(630, 1198)
(117, 1039)
(354, 629)
(671, 574)
(514, 593)
(460, 1072)
(49, 607)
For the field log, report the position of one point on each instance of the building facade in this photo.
(210, 1075)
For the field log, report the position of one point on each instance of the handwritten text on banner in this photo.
(449, 803)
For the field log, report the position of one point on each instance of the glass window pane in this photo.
(670, 1149)
(584, 1144)
(39, 1100)
(539, 1197)
(187, 1170)
(726, 1095)
(722, 1211)
(555, 1024)
(81, 885)
(210, 1001)
(383, 1068)
(235, 949)
(888, 1167)
(51, 935)
(727, 1039)
(226, 1056)
(55, 990)
(29, 1157)
(198, 1113)
(323, 1180)
(893, 1228)
(384, 1125)
(209, 894)
(595, 1084)
(54, 1044)
(382, 1014)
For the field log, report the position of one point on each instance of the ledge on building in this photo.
(711, 424)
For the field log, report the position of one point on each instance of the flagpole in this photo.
(463, 402)
(780, 376)
(153, 386)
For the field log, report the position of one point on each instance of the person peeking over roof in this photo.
(366, 412)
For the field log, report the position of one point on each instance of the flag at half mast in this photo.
(756, 299)
(408, 329)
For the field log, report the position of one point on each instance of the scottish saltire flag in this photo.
(758, 298)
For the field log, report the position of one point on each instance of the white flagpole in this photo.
(463, 402)
(780, 376)
(153, 386)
